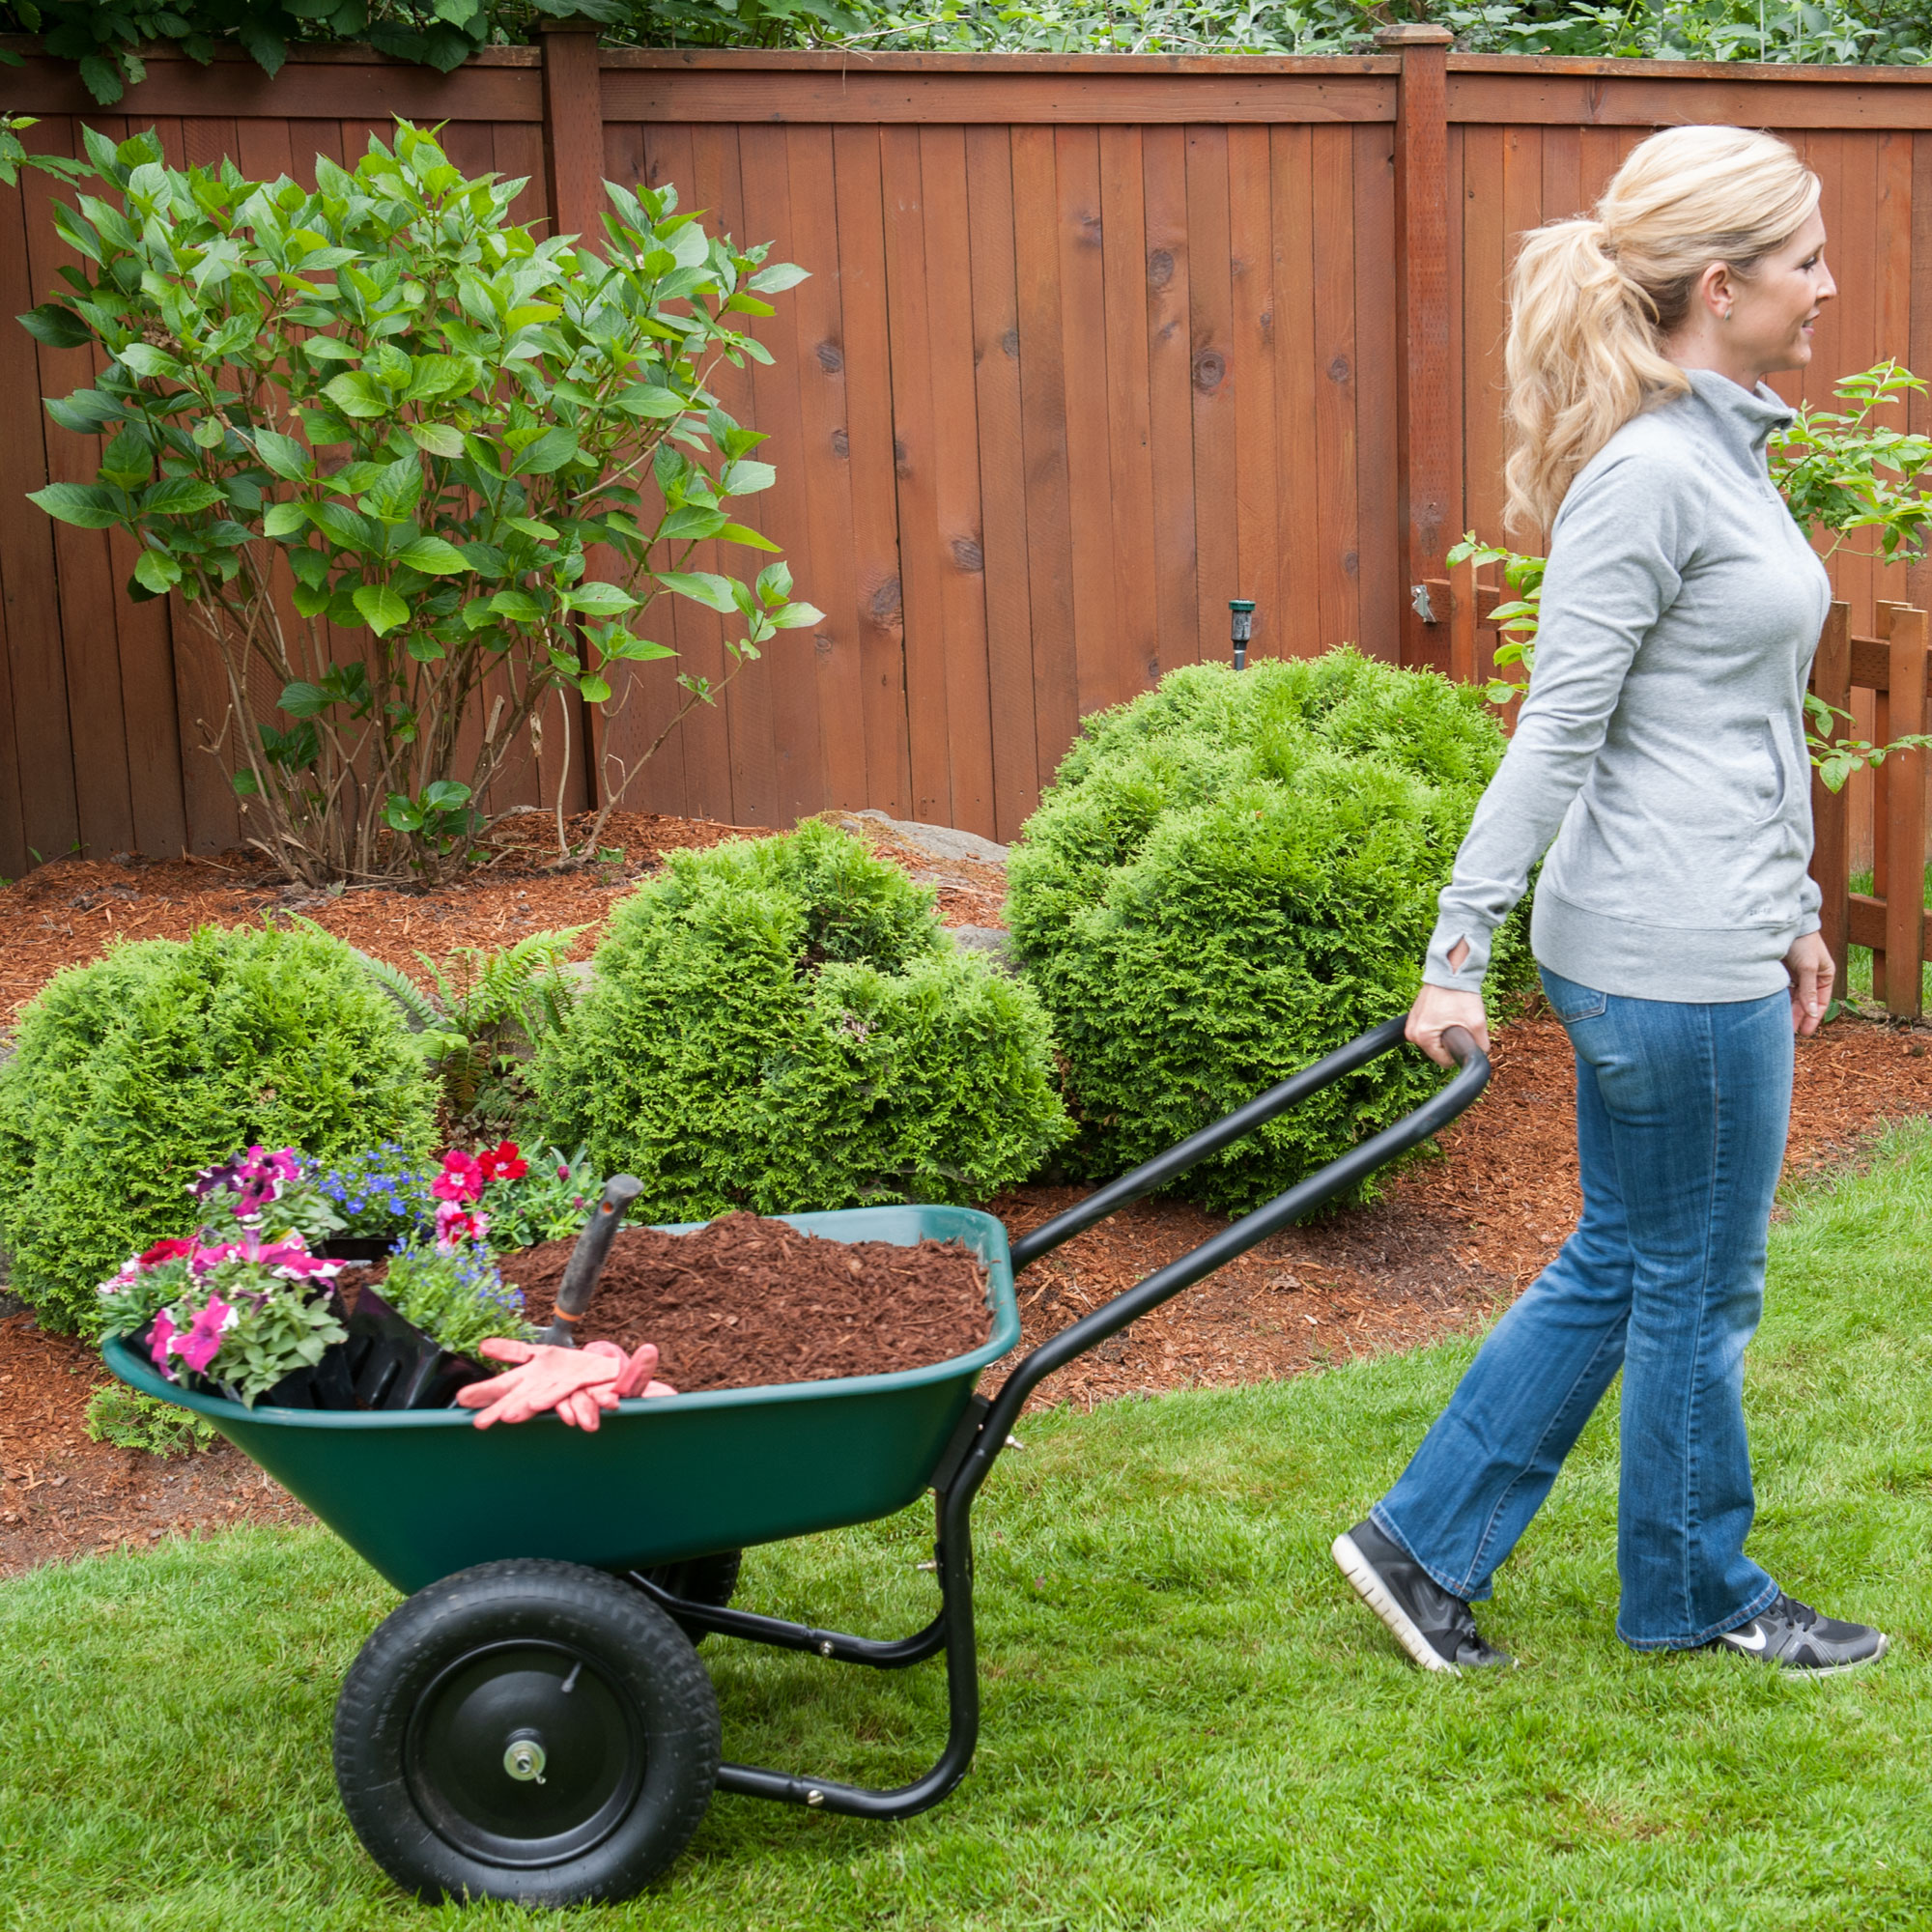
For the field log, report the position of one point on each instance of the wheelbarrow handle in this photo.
(1309, 1193)
(587, 1260)
(1243, 1120)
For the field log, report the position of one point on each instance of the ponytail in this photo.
(1591, 302)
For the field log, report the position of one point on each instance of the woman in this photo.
(1661, 746)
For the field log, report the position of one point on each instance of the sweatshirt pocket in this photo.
(1767, 778)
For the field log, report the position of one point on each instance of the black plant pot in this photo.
(355, 1248)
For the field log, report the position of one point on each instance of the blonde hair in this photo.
(1592, 300)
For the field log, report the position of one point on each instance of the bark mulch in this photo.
(746, 1303)
(1453, 1240)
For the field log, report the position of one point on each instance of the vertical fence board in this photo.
(1003, 505)
(1169, 389)
(858, 162)
(1257, 438)
(955, 447)
(1142, 657)
(1043, 429)
(1213, 380)
(1333, 161)
(1377, 553)
(827, 572)
(1299, 626)
(1097, 642)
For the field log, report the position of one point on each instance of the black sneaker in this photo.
(1439, 1630)
(1793, 1637)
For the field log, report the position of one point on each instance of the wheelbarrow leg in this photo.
(951, 1630)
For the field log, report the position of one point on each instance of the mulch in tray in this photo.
(748, 1302)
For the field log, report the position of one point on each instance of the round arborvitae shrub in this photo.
(1231, 876)
(137, 1070)
(782, 1024)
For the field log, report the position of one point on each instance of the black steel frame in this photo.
(984, 1429)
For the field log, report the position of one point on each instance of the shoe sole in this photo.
(1797, 1672)
(1367, 1584)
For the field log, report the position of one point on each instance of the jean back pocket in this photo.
(1571, 1002)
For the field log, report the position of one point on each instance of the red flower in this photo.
(502, 1163)
(461, 1179)
(166, 1251)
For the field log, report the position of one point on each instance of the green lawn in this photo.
(1188, 1723)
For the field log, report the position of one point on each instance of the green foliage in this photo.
(1229, 877)
(454, 1294)
(131, 1420)
(429, 418)
(106, 41)
(136, 1071)
(781, 1024)
(549, 1202)
(484, 1012)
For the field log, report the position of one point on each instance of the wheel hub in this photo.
(519, 1753)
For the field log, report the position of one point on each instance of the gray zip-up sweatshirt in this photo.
(1661, 744)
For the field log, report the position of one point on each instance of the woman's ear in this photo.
(1716, 291)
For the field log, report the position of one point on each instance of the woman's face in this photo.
(1770, 314)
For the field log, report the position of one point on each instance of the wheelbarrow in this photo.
(533, 1723)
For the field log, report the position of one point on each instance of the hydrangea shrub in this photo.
(1233, 875)
(137, 1071)
(782, 1024)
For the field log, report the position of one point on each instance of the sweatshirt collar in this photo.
(1744, 420)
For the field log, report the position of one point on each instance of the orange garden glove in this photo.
(578, 1384)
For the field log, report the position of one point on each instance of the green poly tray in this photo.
(422, 1493)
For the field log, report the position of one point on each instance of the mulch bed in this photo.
(746, 1303)
(1451, 1241)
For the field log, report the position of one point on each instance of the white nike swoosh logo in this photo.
(1756, 1640)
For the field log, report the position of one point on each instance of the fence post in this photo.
(1904, 841)
(1831, 811)
(1426, 485)
(573, 127)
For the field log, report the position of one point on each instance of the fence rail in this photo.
(1091, 345)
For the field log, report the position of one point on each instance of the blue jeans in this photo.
(1681, 1118)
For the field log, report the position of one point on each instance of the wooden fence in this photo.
(1091, 345)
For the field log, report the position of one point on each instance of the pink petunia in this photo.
(456, 1223)
(158, 1348)
(461, 1179)
(203, 1341)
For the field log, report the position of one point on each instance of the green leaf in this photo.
(691, 523)
(302, 701)
(705, 586)
(399, 814)
(57, 325)
(739, 533)
(312, 600)
(531, 527)
(143, 358)
(653, 401)
(179, 496)
(549, 453)
(358, 394)
(432, 557)
(383, 611)
(745, 478)
(245, 784)
(283, 454)
(518, 606)
(438, 439)
(593, 688)
(127, 462)
(394, 493)
(445, 794)
(795, 616)
(157, 572)
(598, 600)
(86, 505)
(778, 277)
(284, 520)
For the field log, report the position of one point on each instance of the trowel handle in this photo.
(587, 1258)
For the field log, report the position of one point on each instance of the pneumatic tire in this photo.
(530, 1731)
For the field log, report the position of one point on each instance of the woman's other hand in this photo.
(1439, 1008)
(1809, 964)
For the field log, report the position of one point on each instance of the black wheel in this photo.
(528, 1731)
(700, 1580)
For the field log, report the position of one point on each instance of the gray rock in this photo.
(993, 940)
(941, 841)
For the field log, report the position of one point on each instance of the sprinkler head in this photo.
(1240, 628)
